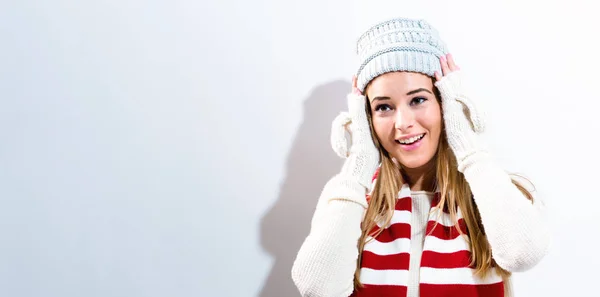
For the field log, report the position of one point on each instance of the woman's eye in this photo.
(382, 107)
(418, 100)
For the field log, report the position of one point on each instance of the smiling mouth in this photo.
(410, 140)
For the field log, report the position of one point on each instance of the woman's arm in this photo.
(327, 259)
(515, 227)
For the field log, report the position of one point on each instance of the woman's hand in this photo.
(462, 120)
(362, 159)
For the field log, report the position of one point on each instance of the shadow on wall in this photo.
(310, 164)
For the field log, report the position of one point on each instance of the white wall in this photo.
(177, 148)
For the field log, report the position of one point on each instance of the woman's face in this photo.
(406, 116)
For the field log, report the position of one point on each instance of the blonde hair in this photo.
(455, 193)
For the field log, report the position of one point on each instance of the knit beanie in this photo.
(399, 44)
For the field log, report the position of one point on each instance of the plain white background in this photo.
(177, 148)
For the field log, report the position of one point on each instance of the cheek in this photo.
(433, 119)
(383, 127)
(436, 123)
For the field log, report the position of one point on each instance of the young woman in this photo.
(419, 207)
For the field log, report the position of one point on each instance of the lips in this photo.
(411, 140)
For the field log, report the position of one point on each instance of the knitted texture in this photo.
(421, 205)
(326, 261)
(462, 119)
(514, 226)
(362, 159)
(444, 268)
(399, 44)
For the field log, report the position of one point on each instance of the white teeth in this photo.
(411, 140)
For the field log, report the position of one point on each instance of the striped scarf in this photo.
(445, 269)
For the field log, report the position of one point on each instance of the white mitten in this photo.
(362, 158)
(462, 119)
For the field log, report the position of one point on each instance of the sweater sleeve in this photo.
(515, 226)
(326, 261)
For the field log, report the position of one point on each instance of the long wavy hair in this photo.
(455, 194)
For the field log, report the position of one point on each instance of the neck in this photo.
(421, 178)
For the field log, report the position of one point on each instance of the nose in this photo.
(405, 119)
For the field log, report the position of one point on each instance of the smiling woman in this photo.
(419, 208)
(406, 116)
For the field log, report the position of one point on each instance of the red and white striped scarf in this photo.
(445, 269)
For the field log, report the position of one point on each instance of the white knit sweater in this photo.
(421, 202)
(515, 228)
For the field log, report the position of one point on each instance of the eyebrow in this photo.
(418, 90)
(407, 94)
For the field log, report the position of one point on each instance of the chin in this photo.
(413, 163)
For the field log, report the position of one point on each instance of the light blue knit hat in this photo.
(398, 44)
